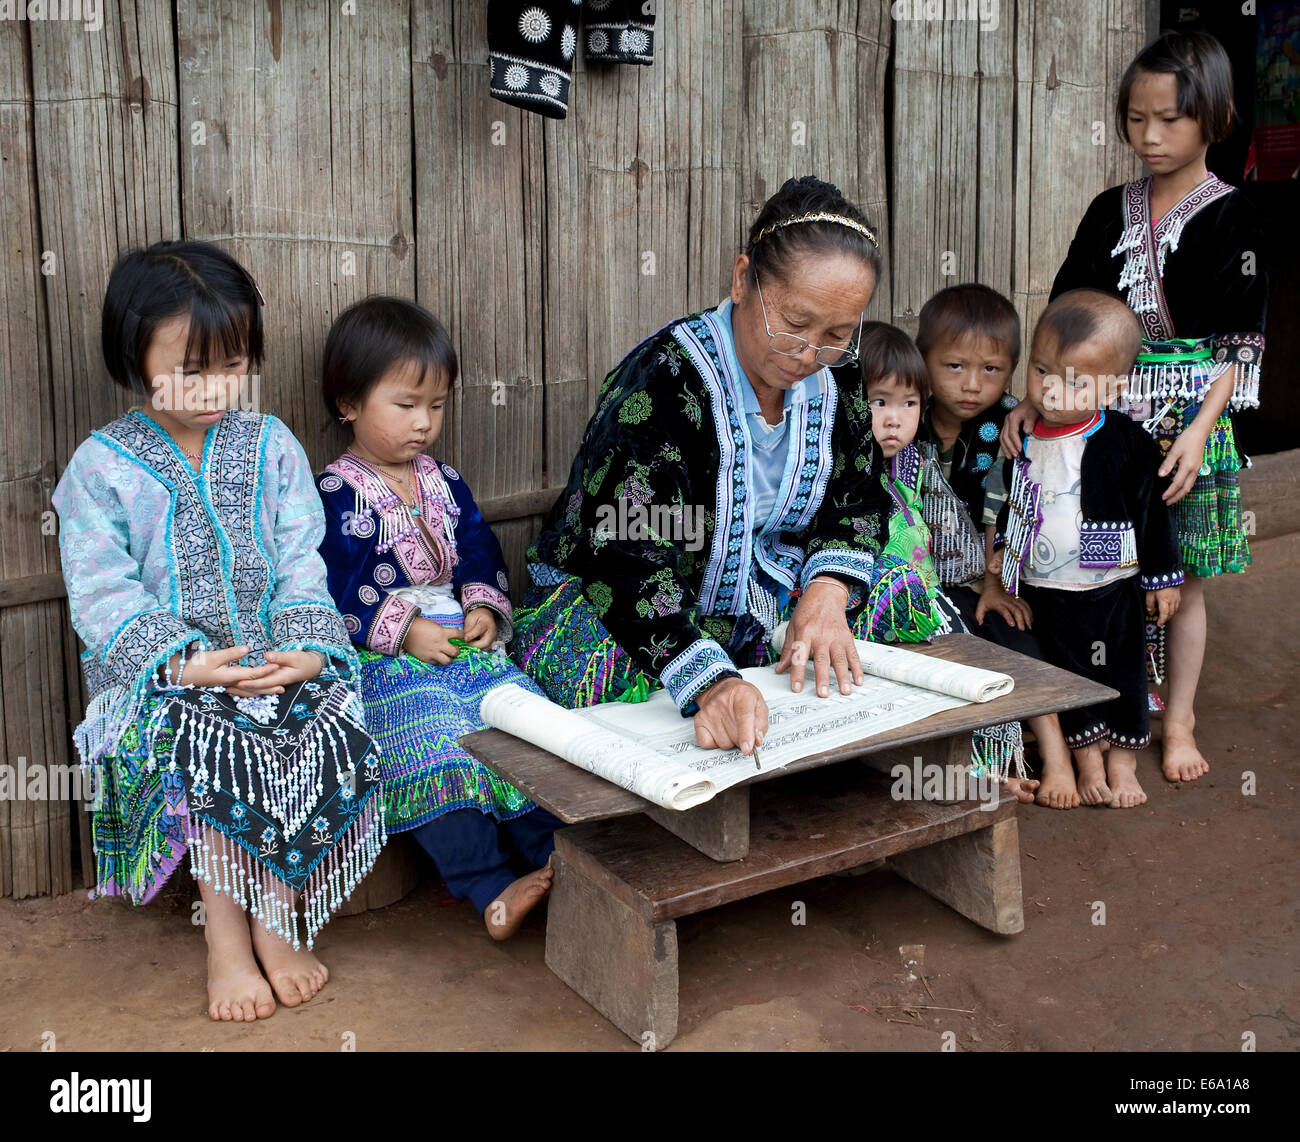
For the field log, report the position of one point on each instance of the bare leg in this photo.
(1121, 775)
(1182, 759)
(1093, 789)
(236, 990)
(1057, 790)
(295, 976)
(504, 915)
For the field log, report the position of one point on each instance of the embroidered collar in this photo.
(1045, 431)
(1146, 244)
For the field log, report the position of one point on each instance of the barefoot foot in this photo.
(1057, 789)
(237, 992)
(1121, 773)
(1093, 789)
(1182, 761)
(295, 976)
(1023, 789)
(504, 915)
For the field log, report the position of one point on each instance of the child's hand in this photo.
(1165, 603)
(288, 667)
(217, 668)
(995, 598)
(429, 642)
(480, 627)
(1019, 419)
(1184, 460)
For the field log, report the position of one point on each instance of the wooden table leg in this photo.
(978, 874)
(718, 828)
(952, 753)
(624, 965)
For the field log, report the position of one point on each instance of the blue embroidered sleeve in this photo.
(302, 614)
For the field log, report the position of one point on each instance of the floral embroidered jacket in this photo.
(657, 518)
(374, 549)
(158, 558)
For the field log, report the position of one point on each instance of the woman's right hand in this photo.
(1020, 419)
(217, 668)
(429, 642)
(732, 714)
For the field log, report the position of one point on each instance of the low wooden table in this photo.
(620, 885)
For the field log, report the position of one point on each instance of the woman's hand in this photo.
(1019, 419)
(216, 668)
(1184, 460)
(819, 630)
(732, 714)
(287, 667)
(429, 642)
(481, 627)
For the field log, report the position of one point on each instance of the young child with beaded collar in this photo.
(1090, 544)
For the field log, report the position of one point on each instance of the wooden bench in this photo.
(627, 870)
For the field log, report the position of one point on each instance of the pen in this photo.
(756, 762)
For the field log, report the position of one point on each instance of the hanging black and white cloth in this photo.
(531, 45)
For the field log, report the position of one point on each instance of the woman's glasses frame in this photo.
(796, 345)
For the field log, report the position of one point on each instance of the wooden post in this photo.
(977, 874)
(621, 963)
(718, 828)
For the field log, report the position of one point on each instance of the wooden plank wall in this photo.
(341, 155)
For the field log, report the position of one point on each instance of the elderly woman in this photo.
(725, 483)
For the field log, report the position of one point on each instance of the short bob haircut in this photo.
(885, 351)
(170, 279)
(969, 310)
(1203, 76)
(371, 337)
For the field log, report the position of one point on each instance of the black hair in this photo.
(168, 279)
(370, 337)
(969, 310)
(773, 254)
(885, 350)
(1202, 73)
(1082, 315)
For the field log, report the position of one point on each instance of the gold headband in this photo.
(820, 216)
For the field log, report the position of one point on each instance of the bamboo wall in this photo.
(340, 155)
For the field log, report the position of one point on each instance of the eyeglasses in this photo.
(788, 345)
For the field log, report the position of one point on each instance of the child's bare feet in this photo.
(504, 915)
(295, 976)
(1121, 773)
(1023, 788)
(237, 992)
(1057, 789)
(1093, 789)
(1182, 761)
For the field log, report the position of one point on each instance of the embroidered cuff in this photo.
(629, 42)
(482, 595)
(1160, 582)
(389, 627)
(531, 85)
(144, 643)
(843, 561)
(1242, 353)
(698, 667)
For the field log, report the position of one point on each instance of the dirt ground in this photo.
(1197, 949)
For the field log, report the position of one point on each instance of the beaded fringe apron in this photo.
(272, 797)
(1169, 381)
